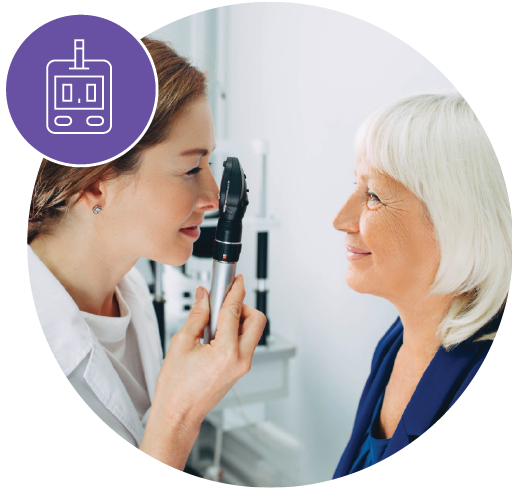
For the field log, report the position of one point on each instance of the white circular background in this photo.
(65, 447)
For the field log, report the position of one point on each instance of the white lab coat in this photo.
(84, 360)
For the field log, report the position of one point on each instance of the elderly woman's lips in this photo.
(356, 253)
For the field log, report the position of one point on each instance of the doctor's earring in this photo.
(96, 209)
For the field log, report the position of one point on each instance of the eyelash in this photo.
(196, 170)
(371, 195)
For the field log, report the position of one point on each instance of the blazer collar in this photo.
(435, 393)
(436, 389)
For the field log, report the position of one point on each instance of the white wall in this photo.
(305, 78)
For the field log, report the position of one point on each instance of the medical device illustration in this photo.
(227, 246)
(79, 94)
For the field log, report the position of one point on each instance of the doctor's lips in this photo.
(356, 253)
(192, 231)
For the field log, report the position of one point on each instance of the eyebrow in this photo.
(366, 177)
(196, 152)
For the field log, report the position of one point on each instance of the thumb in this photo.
(199, 314)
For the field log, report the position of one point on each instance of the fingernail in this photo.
(199, 293)
(242, 278)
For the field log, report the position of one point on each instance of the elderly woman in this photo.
(428, 227)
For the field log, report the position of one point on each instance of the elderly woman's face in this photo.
(390, 242)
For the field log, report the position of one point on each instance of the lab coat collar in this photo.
(71, 339)
(66, 331)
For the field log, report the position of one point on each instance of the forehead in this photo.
(366, 171)
(195, 123)
(381, 181)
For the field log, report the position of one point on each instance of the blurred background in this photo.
(289, 85)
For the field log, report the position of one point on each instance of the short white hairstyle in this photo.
(435, 146)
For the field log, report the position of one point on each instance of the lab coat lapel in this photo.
(64, 327)
(110, 390)
(146, 326)
(71, 340)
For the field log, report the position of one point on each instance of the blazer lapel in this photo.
(434, 394)
(373, 390)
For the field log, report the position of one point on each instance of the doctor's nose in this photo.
(210, 194)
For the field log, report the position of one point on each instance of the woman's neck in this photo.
(421, 320)
(86, 265)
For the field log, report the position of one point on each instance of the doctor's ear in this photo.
(94, 196)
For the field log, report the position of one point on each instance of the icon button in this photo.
(79, 94)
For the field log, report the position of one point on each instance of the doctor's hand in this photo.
(195, 377)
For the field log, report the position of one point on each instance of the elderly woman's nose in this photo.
(347, 219)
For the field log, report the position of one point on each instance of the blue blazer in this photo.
(444, 380)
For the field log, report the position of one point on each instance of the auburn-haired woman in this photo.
(88, 227)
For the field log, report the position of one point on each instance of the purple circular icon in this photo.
(82, 90)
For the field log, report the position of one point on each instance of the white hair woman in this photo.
(428, 228)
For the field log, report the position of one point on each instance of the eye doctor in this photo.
(88, 227)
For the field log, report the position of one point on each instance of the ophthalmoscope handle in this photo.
(223, 275)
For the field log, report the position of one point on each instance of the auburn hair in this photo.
(58, 187)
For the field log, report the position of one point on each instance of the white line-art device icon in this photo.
(79, 94)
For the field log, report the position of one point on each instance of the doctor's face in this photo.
(157, 213)
(390, 242)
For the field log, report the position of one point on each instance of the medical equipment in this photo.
(233, 203)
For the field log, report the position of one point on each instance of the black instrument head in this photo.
(233, 201)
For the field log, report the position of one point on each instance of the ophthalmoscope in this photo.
(227, 246)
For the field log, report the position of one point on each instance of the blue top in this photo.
(372, 449)
(444, 380)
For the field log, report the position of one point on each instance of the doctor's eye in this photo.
(194, 171)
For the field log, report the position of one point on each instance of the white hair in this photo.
(435, 146)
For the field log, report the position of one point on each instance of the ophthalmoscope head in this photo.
(233, 203)
(228, 239)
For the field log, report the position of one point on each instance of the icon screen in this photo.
(78, 92)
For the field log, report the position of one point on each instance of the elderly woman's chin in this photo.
(360, 280)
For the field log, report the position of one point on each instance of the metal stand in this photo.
(261, 275)
(159, 303)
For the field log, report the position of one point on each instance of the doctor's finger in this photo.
(252, 328)
(230, 313)
(198, 316)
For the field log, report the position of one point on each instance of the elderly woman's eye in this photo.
(372, 197)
